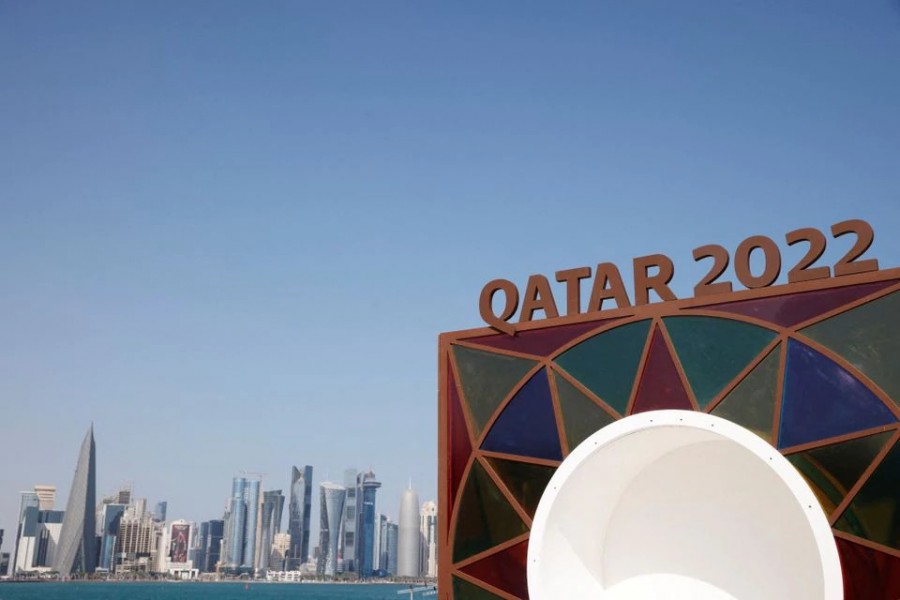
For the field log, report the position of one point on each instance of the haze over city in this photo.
(231, 234)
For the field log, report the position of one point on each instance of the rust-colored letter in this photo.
(538, 296)
(658, 282)
(608, 284)
(572, 279)
(486, 307)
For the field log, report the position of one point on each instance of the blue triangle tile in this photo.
(823, 400)
(527, 426)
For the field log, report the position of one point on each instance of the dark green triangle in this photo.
(487, 379)
(607, 363)
(525, 481)
(874, 513)
(485, 517)
(867, 337)
(831, 471)
(463, 590)
(581, 416)
(713, 351)
(751, 403)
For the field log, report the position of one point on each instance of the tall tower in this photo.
(348, 522)
(428, 533)
(270, 525)
(234, 527)
(251, 526)
(331, 511)
(298, 517)
(408, 539)
(367, 486)
(77, 545)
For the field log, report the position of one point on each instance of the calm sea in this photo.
(200, 591)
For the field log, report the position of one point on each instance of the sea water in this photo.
(203, 591)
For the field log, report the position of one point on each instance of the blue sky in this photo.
(231, 232)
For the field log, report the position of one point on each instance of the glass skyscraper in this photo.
(331, 511)
(240, 526)
(213, 548)
(270, 524)
(110, 519)
(298, 517)
(347, 550)
(366, 486)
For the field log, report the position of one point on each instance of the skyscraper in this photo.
(159, 513)
(298, 517)
(348, 523)
(408, 535)
(428, 536)
(110, 519)
(241, 526)
(77, 544)
(331, 511)
(27, 500)
(270, 524)
(212, 552)
(366, 486)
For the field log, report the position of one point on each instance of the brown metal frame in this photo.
(655, 312)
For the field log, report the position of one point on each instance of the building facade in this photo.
(270, 526)
(347, 547)
(110, 520)
(299, 512)
(331, 511)
(408, 540)
(241, 526)
(77, 552)
(366, 488)
(428, 539)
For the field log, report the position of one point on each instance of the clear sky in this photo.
(230, 232)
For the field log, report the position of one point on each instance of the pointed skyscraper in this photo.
(77, 551)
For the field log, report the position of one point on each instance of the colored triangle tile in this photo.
(525, 481)
(822, 400)
(660, 386)
(868, 337)
(874, 513)
(581, 416)
(868, 573)
(463, 590)
(751, 404)
(607, 363)
(460, 445)
(831, 471)
(527, 425)
(505, 570)
(790, 309)
(485, 519)
(540, 342)
(714, 351)
(487, 379)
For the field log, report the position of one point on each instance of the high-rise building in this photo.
(159, 513)
(281, 544)
(298, 518)
(366, 488)
(347, 550)
(241, 526)
(26, 500)
(212, 550)
(270, 525)
(110, 519)
(201, 541)
(331, 510)
(428, 539)
(38, 540)
(77, 551)
(46, 496)
(408, 535)
(377, 565)
(389, 536)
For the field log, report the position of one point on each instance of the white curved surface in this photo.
(680, 504)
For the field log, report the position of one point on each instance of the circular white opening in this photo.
(679, 504)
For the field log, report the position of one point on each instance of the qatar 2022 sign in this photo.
(811, 367)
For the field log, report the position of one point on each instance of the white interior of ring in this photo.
(679, 504)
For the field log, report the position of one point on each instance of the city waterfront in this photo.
(199, 591)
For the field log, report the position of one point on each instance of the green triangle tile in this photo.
(485, 519)
(713, 351)
(751, 403)
(874, 513)
(831, 471)
(487, 379)
(581, 416)
(525, 481)
(867, 337)
(463, 590)
(607, 363)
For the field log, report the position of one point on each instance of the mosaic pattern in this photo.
(816, 374)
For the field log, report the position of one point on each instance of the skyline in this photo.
(231, 237)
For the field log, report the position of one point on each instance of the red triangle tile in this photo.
(460, 445)
(789, 310)
(868, 574)
(504, 570)
(540, 342)
(660, 386)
